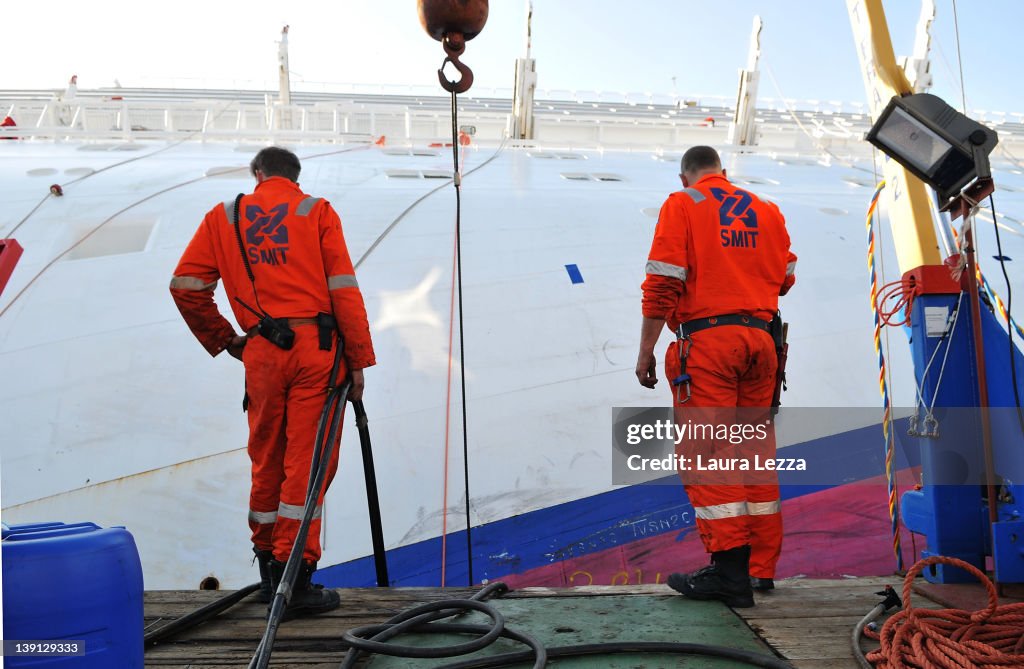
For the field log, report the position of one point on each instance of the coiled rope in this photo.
(986, 639)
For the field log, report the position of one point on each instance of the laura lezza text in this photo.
(699, 463)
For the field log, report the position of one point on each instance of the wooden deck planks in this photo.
(810, 622)
(807, 621)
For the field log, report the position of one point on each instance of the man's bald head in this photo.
(698, 161)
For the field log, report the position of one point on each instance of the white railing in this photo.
(613, 120)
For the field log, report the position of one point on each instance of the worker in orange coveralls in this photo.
(718, 263)
(303, 278)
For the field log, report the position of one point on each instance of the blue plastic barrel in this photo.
(73, 582)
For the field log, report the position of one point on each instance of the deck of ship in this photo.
(807, 622)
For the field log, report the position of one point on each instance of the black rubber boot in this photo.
(266, 591)
(726, 579)
(762, 584)
(308, 599)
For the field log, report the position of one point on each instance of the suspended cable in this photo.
(881, 265)
(817, 144)
(405, 212)
(61, 187)
(113, 216)
(995, 301)
(457, 181)
(447, 421)
(887, 420)
(1009, 319)
(959, 60)
(930, 423)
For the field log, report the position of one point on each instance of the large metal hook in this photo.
(454, 44)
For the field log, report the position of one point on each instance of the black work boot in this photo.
(762, 584)
(266, 591)
(726, 579)
(308, 598)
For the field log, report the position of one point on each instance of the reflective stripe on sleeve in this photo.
(791, 268)
(719, 511)
(294, 511)
(306, 206)
(763, 508)
(263, 517)
(694, 194)
(342, 281)
(666, 269)
(192, 283)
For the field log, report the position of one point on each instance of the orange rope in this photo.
(952, 638)
(448, 408)
(447, 423)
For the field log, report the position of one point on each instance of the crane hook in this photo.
(454, 44)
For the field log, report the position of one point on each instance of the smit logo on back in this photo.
(736, 207)
(267, 227)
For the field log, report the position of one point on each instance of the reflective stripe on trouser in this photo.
(731, 366)
(286, 392)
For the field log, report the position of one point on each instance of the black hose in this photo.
(321, 455)
(380, 559)
(370, 638)
(198, 616)
(418, 620)
(332, 413)
(421, 620)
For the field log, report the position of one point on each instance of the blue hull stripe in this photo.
(592, 524)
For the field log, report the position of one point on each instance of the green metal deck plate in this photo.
(568, 620)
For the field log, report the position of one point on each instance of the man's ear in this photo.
(724, 174)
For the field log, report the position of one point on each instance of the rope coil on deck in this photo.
(953, 638)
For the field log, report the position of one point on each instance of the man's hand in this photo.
(235, 347)
(647, 369)
(356, 393)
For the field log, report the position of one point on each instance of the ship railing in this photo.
(626, 123)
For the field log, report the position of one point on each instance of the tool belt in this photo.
(690, 327)
(775, 327)
(326, 324)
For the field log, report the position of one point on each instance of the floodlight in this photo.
(938, 144)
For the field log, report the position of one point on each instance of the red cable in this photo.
(902, 292)
(447, 426)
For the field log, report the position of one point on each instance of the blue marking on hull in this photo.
(592, 524)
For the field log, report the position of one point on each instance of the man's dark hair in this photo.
(699, 158)
(274, 161)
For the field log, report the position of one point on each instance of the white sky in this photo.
(634, 46)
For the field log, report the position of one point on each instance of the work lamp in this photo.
(938, 144)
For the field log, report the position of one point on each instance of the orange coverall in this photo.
(720, 250)
(302, 267)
